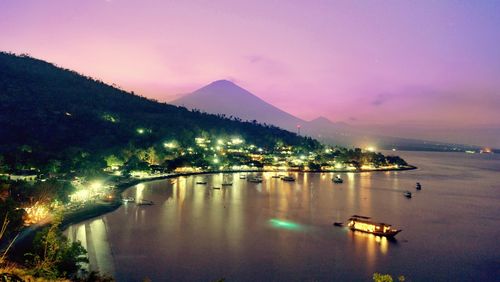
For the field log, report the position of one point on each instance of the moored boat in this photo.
(337, 180)
(407, 194)
(288, 178)
(418, 186)
(145, 203)
(201, 182)
(128, 200)
(255, 179)
(364, 224)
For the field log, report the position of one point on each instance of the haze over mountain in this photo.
(225, 97)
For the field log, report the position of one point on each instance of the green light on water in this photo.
(278, 223)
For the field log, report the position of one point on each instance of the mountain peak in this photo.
(222, 83)
(225, 97)
(321, 119)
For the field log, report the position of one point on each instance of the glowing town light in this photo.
(96, 185)
(371, 149)
(237, 141)
(141, 130)
(170, 145)
(216, 161)
(200, 140)
(220, 141)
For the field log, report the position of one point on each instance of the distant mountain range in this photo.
(225, 97)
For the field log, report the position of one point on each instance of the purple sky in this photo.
(415, 63)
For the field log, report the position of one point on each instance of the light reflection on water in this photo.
(278, 230)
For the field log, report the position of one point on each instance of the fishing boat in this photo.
(337, 180)
(145, 203)
(364, 224)
(418, 186)
(407, 194)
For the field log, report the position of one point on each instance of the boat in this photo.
(216, 188)
(243, 176)
(128, 200)
(419, 187)
(407, 194)
(339, 224)
(276, 176)
(145, 203)
(227, 184)
(255, 179)
(337, 180)
(288, 178)
(201, 182)
(364, 224)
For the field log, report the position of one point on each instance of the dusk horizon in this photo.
(402, 65)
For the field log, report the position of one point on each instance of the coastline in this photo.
(98, 210)
(89, 211)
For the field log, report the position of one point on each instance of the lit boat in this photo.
(419, 187)
(337, 179)
(407, 194)
(288, 178)
(364, 224)
(145, 203)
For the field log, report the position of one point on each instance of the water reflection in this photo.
(277, 230)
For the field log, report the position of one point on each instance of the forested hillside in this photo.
(50, 113)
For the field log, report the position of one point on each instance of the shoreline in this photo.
(97, 209)
(80, 215)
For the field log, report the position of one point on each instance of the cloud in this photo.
(380, 99)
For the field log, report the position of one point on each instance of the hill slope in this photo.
(47, 110)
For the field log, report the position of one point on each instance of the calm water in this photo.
(450, 232)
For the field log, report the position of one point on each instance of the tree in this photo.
(378, 277)
(53, 255)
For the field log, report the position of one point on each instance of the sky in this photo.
(429, 67)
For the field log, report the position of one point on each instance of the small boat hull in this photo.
(365, 225)
(389, 234)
